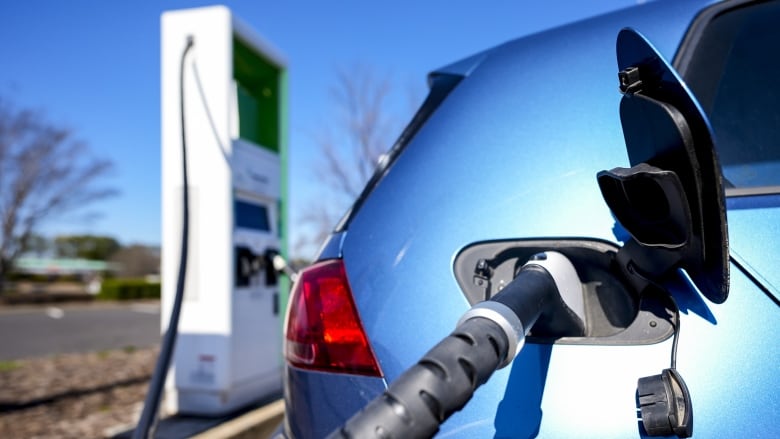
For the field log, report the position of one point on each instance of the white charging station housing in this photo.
(228, 349)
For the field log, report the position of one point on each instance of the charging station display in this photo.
(229, 95)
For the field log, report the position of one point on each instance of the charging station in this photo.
(228, 95)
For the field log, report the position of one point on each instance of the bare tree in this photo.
(137, 261)
(44, 173)
(362, 129)
(361, 99)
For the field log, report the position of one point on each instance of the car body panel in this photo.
(754, 233)
(513, 152)
(338, 397)
(457, 166)
(331, 248)
(722, 371)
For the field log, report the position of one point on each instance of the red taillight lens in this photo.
(323, 328)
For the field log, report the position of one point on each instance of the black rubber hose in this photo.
(529, 294)
(441, 383)
(444, 380)
(152, 402)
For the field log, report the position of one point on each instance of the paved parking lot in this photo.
(44, 330)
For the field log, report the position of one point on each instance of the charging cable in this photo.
(488, 337)
(148, 417)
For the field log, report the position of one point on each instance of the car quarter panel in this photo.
(512, 152)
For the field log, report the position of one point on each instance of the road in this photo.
(40, 331)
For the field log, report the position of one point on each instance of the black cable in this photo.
(676, 318)
(676, 325)
(441, 383)
(445, 379)
(152, 402)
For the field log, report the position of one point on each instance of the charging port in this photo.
(614, 313)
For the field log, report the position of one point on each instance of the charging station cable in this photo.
(488, 337)
(152, 402)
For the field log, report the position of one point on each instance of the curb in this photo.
(258, 423)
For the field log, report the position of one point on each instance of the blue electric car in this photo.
(501, 163)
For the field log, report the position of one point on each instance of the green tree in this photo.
(99, 248)
(38, 245)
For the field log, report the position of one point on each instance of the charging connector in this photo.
(545, 294)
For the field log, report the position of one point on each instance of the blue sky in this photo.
(95, 66)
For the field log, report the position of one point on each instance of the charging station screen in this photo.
(251, 216)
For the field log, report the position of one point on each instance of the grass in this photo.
(7, 366)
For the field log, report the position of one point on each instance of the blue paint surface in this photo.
(513, 152)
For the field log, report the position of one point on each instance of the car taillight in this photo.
(323, 328)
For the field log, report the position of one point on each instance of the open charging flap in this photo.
(671, 200)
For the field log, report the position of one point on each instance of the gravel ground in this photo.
(90, 395)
